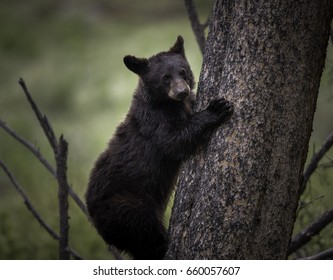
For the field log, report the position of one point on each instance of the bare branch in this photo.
(198, 28)
(44, 122)
(32, 208)
(41, 158)
(325, 255)
(61, 159)
(60, 151)
(27, 201)
(315, 160)
(315, 228)
(48, 130)
(29, 146)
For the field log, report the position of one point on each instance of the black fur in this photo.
(133, 178)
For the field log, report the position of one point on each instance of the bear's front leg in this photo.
(183, 142)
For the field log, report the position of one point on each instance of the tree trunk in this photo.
(237, 199)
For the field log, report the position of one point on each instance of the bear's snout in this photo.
(179, 89)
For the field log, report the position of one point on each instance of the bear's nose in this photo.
(182, 94)
(181, 89)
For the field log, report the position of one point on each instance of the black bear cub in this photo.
(133, 178)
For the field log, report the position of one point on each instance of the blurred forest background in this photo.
(70, 55)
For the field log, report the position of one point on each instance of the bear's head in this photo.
(166, 75)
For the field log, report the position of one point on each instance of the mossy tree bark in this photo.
(238, 198)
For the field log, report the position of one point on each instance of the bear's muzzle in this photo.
(179, 89)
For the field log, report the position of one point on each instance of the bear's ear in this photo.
(137, 65)
(178, 47)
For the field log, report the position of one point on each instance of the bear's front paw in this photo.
(220, 107)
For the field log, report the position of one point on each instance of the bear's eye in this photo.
(182, 73)
(166, 78)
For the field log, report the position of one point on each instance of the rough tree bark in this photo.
(238, 198)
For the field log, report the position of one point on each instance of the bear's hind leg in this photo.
(151, 242)
(131, 226)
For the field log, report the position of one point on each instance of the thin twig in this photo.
(326, 165)
(44, 122)
(32, 209)
(304, 205)
(315, 160)
(325, 255)
(29, 146)
(198, 28)
(61, 159)
(315, 228)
